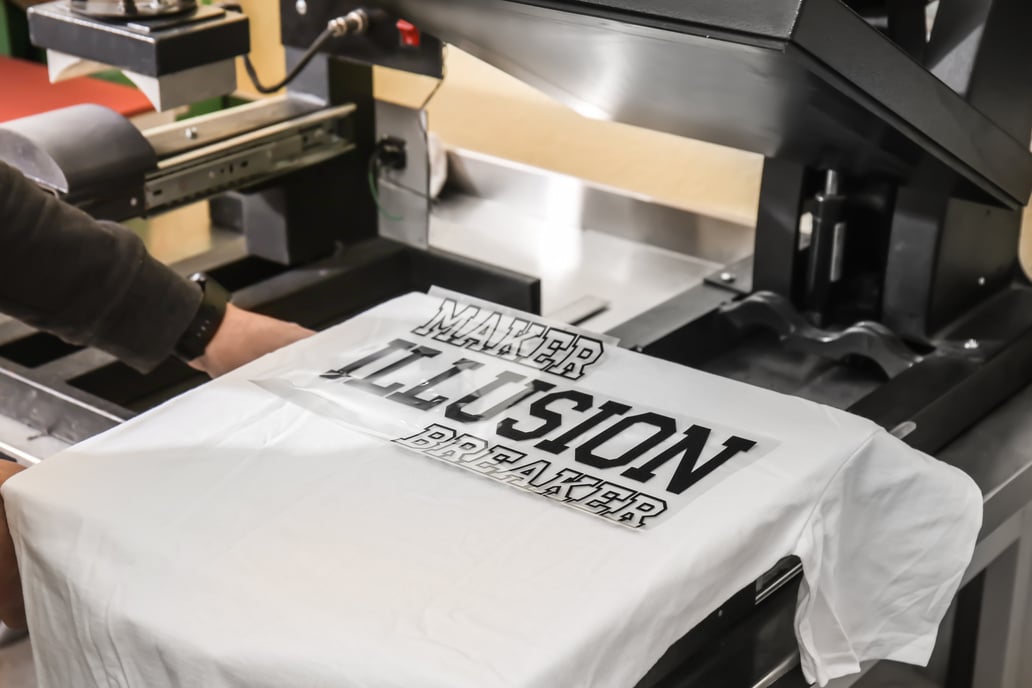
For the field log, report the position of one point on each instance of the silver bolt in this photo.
(354, 22)
(981, 281)
(134, 201)
(971, 344)
(728, 278)
(302, 7)
(190, 133)
(832, 181)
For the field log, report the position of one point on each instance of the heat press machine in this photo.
(882, 275)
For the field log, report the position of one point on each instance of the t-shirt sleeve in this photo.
(883, 554)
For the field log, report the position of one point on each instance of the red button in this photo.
(410, 37)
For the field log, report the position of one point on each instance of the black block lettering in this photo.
(683, 479)
(463, 447)
(665, 427)
(641, 509)
(554, 347)
(561, 487)
(366, 383)
(609, 497)
(410, 397)
(477, 335)
(431, 437)
(456, 411)
(396, 345)
(518, 342)
(551, 419)
(690, 448)
(447, 321)
(523, 475)
(605, 412)
(496, 459)
(586, 352)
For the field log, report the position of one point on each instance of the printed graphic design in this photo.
(505, 395)
(524, 340)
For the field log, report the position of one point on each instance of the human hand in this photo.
(243, 337)
(12, 605)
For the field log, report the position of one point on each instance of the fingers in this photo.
(244, 337)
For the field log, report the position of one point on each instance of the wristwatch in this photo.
(205, 324)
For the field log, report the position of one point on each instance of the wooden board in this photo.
(27, 91)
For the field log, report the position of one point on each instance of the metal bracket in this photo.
(869, 340)
(736, 277)
(404, 194)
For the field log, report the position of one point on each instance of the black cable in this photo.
(328, 33)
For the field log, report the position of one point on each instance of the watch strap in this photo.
(210, 313)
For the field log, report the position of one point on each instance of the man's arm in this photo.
(89, 283)
(94, 284)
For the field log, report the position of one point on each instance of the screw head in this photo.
(134, 201)
(190, 133)
(981, 281)
(971, 344)
(728, 277)
(302, 7)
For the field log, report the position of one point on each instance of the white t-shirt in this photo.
(350, 521)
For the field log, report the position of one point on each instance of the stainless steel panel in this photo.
(26, 445)
(834, 93)
(54, 411)
(584, 242)
(404, 194)
(534, 192)
(604, 69)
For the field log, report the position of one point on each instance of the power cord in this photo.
(353, 23)
(389, 152)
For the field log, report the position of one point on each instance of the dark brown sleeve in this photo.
(88, 282)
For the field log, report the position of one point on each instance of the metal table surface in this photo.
(997, 453)
(603, 256)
